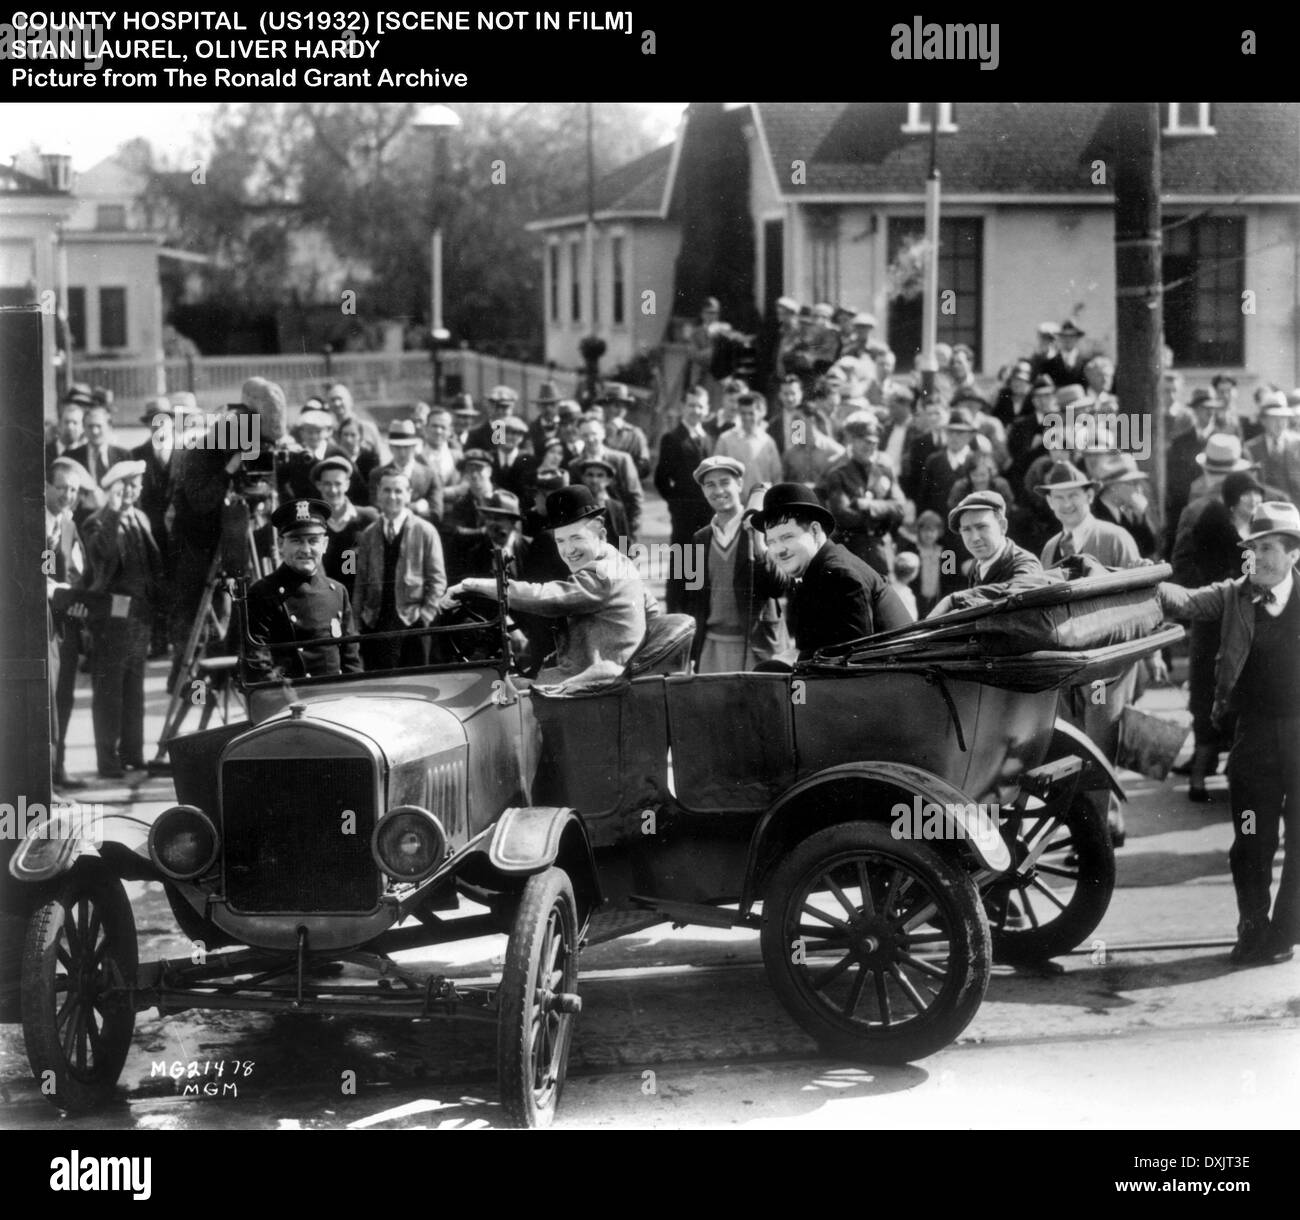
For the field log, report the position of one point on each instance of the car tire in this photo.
(820, 965)
(534, 1030)
(1079, 861)
(79, 964)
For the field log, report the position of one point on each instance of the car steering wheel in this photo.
(458, 642)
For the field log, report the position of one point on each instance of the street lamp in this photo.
(438, 120)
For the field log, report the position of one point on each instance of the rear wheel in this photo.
(79, 963)
(877, 947)
(1055, 903)
(538, 1000)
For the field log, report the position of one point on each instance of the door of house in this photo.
(773, 265)
(961, 273)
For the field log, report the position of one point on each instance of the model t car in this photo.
(890, 817)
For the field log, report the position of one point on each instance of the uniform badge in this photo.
(304, 510)
(336, 628)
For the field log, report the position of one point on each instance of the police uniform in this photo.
(288, 606)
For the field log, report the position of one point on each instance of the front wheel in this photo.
(79, 964)
(538, 1000)
(878, 948)
(1061, 885)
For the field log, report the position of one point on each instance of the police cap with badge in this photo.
(301, 517)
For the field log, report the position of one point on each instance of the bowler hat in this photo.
(547, 393)
(787, 499)
(1238, 484)
(1222, 455)
(1274, 517)
(299, 515)
(1065, 476)
(711, 465)
(569, 505)
(977, 500)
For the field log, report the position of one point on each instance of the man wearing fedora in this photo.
(864, 495)
(833, 597)
(126, 567)
(400, 577)
(1000, 566)
(1070, 495)
(63, 546)
(1257, 677)
(944, 468)
(163, 419)
(547, 423)
(426, 487)
(1277, 451)
(501, 402)
(1122, 500)
(617, 399)
(1066, 367)
(681, 450)
(299, 602)
(737, 614)
(603, 606)
(1045, 348)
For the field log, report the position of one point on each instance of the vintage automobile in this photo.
(869, 814)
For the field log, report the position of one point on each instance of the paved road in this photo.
(681, 1029)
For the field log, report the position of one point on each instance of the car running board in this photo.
(695, 913)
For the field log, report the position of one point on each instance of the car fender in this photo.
(965, 823)
(528, 839)
(57, 839)
(1097, 771)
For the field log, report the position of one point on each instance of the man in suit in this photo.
(547, 423)
(1066, 367)
(737, 614)
(1277, 451)
(65, 567)
(512, 468)
(1123, 501)
(619, 434)
(1257, 677)
(70, 431)
(681, 451)
(155, 497)
(98, 454)
(863, 495)
(400, 577)
(596, 475)
(1045, 347)
(299, 602)
(501, 402)
(833, 596)
(426, 487)
(1070, 495)
(1001, 567)
(627, 486)
(126, 567)
(944, 468)
(925, 442)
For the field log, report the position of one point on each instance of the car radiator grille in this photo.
(285, 835)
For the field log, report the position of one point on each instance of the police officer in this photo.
(299, 602)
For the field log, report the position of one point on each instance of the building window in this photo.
(1204, 275)
(575, 282)
(1188, 119)
(961, 279)
(553, 265)
(920, 117)
(110, 217)
(112, 318)
(617, 275)
(824, 253)
(77, 318)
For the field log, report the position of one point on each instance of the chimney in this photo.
(58, 172)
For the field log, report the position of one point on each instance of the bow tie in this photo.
(1262, 596)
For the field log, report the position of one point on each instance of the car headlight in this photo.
(409, 843)
(183, 842)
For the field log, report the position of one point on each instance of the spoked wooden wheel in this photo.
(1061, 887)
(79, 963)
(538, 1000)
(878, 948)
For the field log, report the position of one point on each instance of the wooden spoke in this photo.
(1053, 871)
(1038, 885)
(850, 1005)
(840, 895)
(831, 973)
(908, 990)
(809, 909)
(919, 963)
(864, 885)
(882, 999)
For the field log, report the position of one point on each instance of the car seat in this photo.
(666, 648)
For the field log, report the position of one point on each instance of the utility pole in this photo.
(930, 299)
(1139, 301)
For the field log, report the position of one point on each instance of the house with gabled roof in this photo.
(823, 201)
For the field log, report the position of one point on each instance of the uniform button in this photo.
(282, 590)
(293, 618)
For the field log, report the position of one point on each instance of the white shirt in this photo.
(1281, 595)
(394, 527)
(985, 568)
(724, 532)
(958, 459)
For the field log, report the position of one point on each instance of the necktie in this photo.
(1066, 548)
